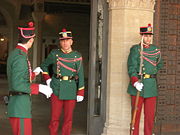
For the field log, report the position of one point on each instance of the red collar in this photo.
(146, 46)
(22, 48)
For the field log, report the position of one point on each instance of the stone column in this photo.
(125, 18)
(38, 48)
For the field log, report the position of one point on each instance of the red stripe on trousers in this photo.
(57, 106)
(149, 112)
(15, 124)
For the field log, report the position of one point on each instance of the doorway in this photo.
(90, 34)
(88, 21)
(73, 16)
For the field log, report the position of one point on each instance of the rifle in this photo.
(138, 92)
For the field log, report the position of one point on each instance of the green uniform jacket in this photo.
(19, 81)
(65, 64)
(152, 62)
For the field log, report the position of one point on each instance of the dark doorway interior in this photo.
(3, 54)
(3, 47)
(74, 17)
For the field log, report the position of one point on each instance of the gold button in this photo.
(65, 77)
(57, 55)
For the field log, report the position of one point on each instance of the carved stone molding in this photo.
(133, 4)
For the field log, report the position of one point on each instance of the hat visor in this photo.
(146, 33)
(65, 38)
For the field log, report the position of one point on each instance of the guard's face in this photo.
(66, 44)
(147, 38)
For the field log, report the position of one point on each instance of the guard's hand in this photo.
(80, 98)
(138, 86)
(37, 70)
(46, 90)
(48, 82)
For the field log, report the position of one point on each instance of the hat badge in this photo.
(64, 34)
(149, 29)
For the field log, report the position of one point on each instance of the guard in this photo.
(67, 82)
(20, 76)
(152, 63)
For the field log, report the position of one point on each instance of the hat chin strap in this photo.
(22, 34)
(146, 45)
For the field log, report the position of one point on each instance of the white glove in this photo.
(80, 98)
(138, 86)
(46, 90)
(37, 70)
(48, 82)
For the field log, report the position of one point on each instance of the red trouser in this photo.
(21, 126)
(149, 112)
(56, 108)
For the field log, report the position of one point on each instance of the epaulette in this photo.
(78, 53)
(135, 46)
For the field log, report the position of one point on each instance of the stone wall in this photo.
(125, 18)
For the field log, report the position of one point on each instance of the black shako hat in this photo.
(65, 34)
(28, 31)
(146, 30)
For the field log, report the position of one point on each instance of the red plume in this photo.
(30, 24)
(149, 25)
(63, 30)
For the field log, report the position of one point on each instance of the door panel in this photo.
(97, 67)
(167, 36)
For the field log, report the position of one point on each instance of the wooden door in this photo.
(167, 36)
(97, 67)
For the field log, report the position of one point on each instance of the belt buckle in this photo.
(146, 76)
(65, 78)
